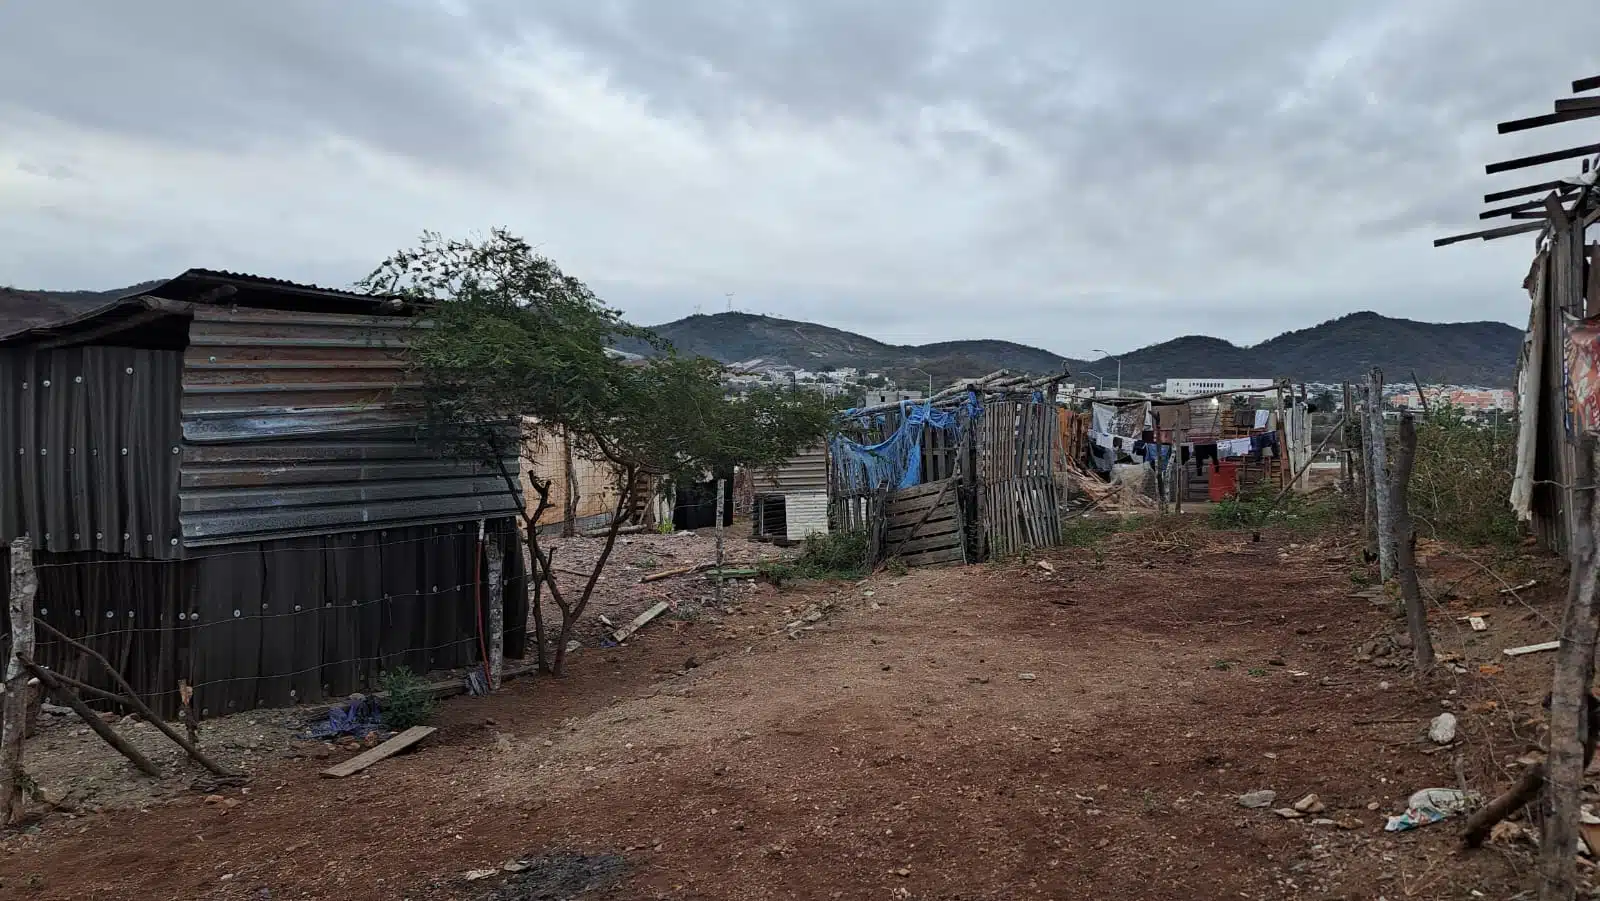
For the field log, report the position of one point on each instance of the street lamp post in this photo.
(1119, 367)
(930, 380)
(1098, 380)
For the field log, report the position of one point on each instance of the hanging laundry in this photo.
(1172, 417)
(1233, 447)
(1262, 416)
(1202, 453)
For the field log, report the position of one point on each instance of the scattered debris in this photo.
(1477, 623)
(1531, 649)
(1523, 587)
(1257, 799)
(1288, 813)
(1027, 677)
(1430, 805)
(1443, 729)
(382, 752)
(1046, 566)
(475, 875)
(639, 621)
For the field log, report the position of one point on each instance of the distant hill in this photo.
(1481, 353)
(20, 309)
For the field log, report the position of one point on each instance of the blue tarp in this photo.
(897, 460)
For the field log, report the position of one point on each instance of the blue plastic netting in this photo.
(895, 462)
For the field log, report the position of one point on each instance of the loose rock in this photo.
(1258, 799)
(1310, 804)
(1443, 729)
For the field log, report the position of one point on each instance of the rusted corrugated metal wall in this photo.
(274, 623)
(303, 424)
(89, 442)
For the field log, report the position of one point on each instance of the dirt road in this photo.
(987, 732)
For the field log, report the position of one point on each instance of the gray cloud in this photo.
(1067, 174)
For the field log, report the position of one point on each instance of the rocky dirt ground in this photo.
(1077, 725)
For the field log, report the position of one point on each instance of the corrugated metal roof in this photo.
(806, 471)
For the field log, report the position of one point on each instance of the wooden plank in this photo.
(1490, 234)
(944, 527)
(1554, 118)
(1532, 648)
(928, 543)
(1540, 188)
(1539, 159)
(944, 511)
(639, 621)
(929, 558)
(927, 489)
(1586, 84)
(1578, 105)
(914, 508)
(382, 752)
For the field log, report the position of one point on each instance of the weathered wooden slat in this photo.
(931, 543)
(928, 558)
(941, 529)
(382, 752)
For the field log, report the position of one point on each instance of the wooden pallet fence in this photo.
(924, 524)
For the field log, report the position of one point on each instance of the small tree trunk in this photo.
(1569, 689)
(1406, 544)
(497, 612)
(1380, 479)
(569, 474)
(14, 703)
(571, 613)
(536, 601)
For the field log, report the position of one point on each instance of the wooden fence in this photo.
(925, 525)
(1017, 494)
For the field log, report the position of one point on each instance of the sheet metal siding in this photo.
(274, 623)
(806, 513)
(88, 449)
(806, 471)
(299, 424)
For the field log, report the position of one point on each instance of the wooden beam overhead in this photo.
(1578, 105)
(1523, 191)
(1549, 118)
(1586, 84)
(1570, 153)
(1516, 208)
(1492, 233)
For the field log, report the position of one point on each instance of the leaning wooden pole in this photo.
(497, 611)
(90, 718)
(131, 698)
(14, 701)
(1380, 475)
(1406, 544)
(1569, 689)
(1369, 500)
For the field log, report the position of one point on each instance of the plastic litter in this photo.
(1430, 805)
(357, 717)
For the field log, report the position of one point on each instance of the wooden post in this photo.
(717, 582)
(14, 701)
(1180, 478)
(1380, 476)
(497, 612)
(1406, 544)
(1369, 492)
(1347, 463)
(1569, 689)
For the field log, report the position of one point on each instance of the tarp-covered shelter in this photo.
(229, 484)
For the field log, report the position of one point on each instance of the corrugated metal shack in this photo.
(791, 499)
(229, 483)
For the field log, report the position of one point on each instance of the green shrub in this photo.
(409, 700)
(837, 555)
(1461, 484)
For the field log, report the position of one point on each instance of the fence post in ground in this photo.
(1569, 690)
(1180, 478)
(717, 582)
(497, 611)
(1406, 544)
(1378, 448)
(1369, 499)
(14, 701)
(1347, 463)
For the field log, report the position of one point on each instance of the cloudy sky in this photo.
(1074, 175)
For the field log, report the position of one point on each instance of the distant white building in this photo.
(1192, 387)
(876, 396)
